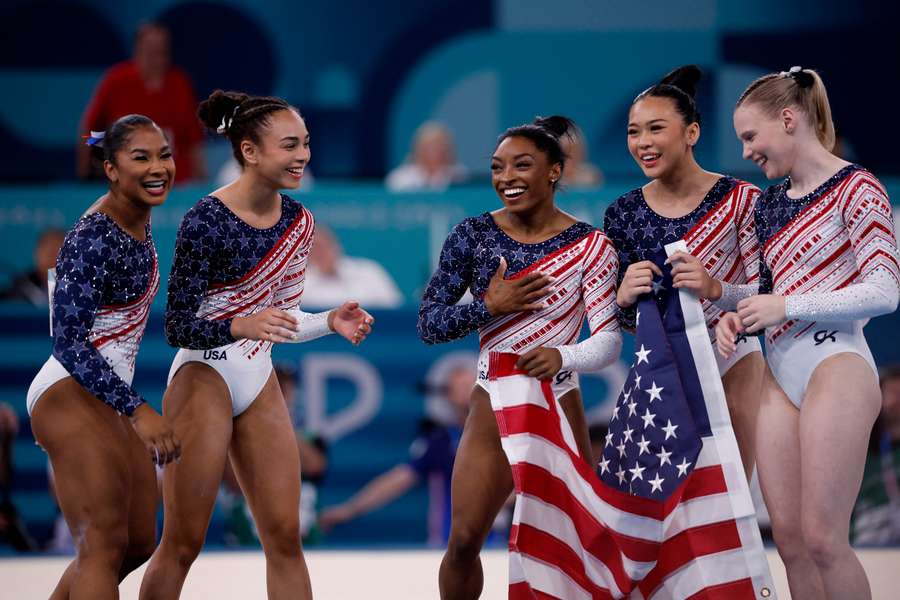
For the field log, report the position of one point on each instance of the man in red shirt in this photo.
(150, 85)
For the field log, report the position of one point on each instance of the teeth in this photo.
(296, 171)
(155, 184)
(649, 156)
(513, 191)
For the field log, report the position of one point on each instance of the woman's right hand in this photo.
(157, 434)
(638, 280)
(505, 296)
(727, 331)
(269, 325)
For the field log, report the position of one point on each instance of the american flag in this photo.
(667, 512)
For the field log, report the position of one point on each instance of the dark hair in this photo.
(545, 133)
(239, 116)
(117, 135)
(681, 86)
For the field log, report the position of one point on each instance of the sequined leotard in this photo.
(581, 259)
(105, 283)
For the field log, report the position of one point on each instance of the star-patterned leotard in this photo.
(105, 283)
(225, 268)
(720, 232)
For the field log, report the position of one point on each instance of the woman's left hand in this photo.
(351, 322)
(688, 272)
(541, 363)
(761, 311)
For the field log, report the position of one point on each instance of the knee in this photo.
(789, 542)
(464, 544)
(281, 539)
(823, 543)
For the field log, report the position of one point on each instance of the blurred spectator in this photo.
(240, 530)
(333, 278)
(12, 529)
(431, 455)
(150, 85)
(579, 171)
(32, 286)
(431, 164)
(876, 516)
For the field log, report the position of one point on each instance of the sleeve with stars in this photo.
(440, 318)
(80, 280)
(612, 227)
(198, 239)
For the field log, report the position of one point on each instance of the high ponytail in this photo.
(798, 87)
(239, 116)
(679, 85)
(546, 133)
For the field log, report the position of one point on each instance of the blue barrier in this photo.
(367, 400)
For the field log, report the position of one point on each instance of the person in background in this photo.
(876, 516)
(431, 165)
(12, 529)
(148, 84)
(580, 172)
(332, 276)
(431, 455)
(32, 286)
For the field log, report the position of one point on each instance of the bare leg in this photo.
(199, 406)
(88, 445)
(141, 515)
(841, 404)
(778, 463)
(482, 480)
(267, 464)
(743, 383)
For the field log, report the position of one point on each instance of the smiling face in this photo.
(658, 138)
(767, 140)
(283, 150)
(522, 175)
(143, 168)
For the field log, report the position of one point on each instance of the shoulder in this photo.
(861, 179)
(93, 240)
(294, 208)
(121, 71)
(625, 203)
(472, 226)
(208, 214)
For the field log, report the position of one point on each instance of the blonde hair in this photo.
(798, 87)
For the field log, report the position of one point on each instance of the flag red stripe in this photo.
(547, 549)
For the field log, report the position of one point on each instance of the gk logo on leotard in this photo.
(822, 336)
(563, 376)
(215, 355)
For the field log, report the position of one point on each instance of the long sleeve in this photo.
(188, 282)
(598, 289)
(867, 216)
(80, 280)
(440, 319)
(612, 227)
(748, 242)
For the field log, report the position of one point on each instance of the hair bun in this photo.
(803, 77)
(217, 111)
(684, 78)
(557, 125)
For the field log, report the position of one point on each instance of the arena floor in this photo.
(346, 575)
